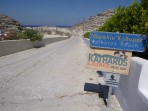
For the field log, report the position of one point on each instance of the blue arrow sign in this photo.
(118, 41)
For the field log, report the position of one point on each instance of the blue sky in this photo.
(56, 12)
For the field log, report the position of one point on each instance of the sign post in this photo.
(109, 96)
(111, 52)
(111, 83)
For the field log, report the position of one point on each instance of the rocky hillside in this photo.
(7, 22)
(52, 30)
(93, 22)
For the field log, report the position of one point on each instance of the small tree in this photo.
(132, 19)
(144, 4)
(33, 35)
(87, 34)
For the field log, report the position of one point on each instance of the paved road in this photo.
(50, 78)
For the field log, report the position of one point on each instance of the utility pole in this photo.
(83, 26)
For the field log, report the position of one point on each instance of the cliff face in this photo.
(93, 23)
(7, 22)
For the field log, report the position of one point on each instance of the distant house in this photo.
(1, 33)
(29, 28)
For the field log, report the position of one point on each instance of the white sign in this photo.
(112, 79)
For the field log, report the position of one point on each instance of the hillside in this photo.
(7, 22)
(93, 22)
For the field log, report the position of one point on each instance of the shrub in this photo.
(31, 34)
(11, 35)
(68, 34)
(132, 19)
(87, 34)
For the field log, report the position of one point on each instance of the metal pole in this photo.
(83, 26)
(109, 94)
(109, 97)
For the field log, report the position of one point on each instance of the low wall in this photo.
(132, 91)
(13, 46)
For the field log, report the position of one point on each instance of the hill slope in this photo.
(7, 22)
(93, 22)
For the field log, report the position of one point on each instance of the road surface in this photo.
(50, 78)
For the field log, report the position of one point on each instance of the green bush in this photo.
(68, 34)
(87, 34)
(20, 35)
(31, 34)
(132, 19)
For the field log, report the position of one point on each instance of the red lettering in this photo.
(96, 64)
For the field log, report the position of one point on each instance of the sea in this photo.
(45, 25)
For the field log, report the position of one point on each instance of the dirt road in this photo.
(50, 78)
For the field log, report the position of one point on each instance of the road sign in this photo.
(109, 60)
(112, 79)
(118, 41)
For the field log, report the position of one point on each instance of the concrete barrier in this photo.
(13, 46)
(129, 92)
